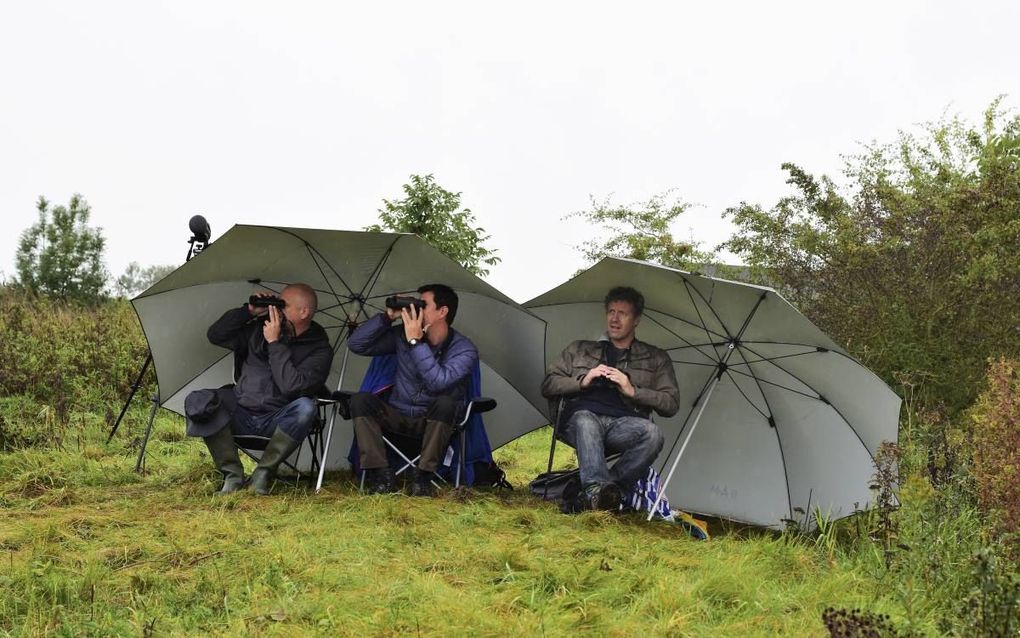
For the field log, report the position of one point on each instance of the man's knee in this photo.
(305, 409)
(584, 422)
(444, 409)
(653, 435)
(364, 404)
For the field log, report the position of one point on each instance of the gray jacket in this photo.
(650, 371)
(271, 375)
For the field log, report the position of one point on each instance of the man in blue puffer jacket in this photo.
(434, 364)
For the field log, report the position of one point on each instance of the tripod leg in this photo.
(140, 464)
(134, 388)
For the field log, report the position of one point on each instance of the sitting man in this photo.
(433, 367)
(609, 388)
(284, 360)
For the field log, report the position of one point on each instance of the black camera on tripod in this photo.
(398, 302)
(264, 302)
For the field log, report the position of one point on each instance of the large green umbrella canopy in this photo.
(776, 420)
(353, 273)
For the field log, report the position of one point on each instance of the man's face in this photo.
(621, 320)
(295, 305)
(431, 314)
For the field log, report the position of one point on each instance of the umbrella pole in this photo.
(329, 429)
(672, 469)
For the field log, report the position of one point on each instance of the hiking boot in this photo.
(280, 446)
(605, 496)
(422, 484)
(223, 451)
(380, 481)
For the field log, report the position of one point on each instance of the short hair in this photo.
(628, 294)
(444, 296)
(308, 294)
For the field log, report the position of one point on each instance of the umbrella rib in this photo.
(781, 386)
(332, 290)
(714, 344)
(697, 310)
(714, 360)
(310, 247)
(809, 345)
(696, 363)
(746, 398)
(689, 323)
(775, 427)
(822, 398)
(782, 356)
(374, 277)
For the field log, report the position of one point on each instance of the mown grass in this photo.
(89, 547)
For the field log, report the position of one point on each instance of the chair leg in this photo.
(552, 450)
(461, 461)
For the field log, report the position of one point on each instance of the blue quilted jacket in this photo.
(424, 372)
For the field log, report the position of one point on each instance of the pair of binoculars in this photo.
(265, 302)
(397, 302)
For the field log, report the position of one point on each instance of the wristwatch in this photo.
(413, 342)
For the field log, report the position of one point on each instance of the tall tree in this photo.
(912, 264)
(434, 214)
(61, 255)
(641, 231)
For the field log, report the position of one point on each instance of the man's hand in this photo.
(392, 314)
(414, 327)
(257, 311)
(594, 373)
(274, 325)
(621, 380)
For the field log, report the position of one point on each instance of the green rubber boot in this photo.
(224, 454)
(280, 446)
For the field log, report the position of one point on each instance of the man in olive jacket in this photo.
(608, 389)
(284, 358)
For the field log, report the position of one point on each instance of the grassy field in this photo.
(89, 547)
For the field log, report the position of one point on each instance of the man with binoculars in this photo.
(434, 365)
(282, 359)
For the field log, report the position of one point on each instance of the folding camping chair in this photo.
(253, 445)
(475, 406)
(556, 482)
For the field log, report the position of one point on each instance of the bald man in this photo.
(284, 360)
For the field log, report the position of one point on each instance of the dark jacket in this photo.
(424, 372)
(650, 371)
(272, 375)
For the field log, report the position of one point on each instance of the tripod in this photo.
(198, 242)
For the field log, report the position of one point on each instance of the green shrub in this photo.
(62, 359)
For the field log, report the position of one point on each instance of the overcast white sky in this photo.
(309, 113)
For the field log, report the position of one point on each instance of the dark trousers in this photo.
(372, 417)
(296, 419)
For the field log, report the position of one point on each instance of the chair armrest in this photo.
(478, 405)
(342, 400)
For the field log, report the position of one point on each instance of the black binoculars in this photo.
(397, 302)
(265, 302)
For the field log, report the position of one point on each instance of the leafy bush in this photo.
(61, 359)
(995, 441)
(911, 262)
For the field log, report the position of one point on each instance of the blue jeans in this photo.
(295, 419)
(594, 436)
